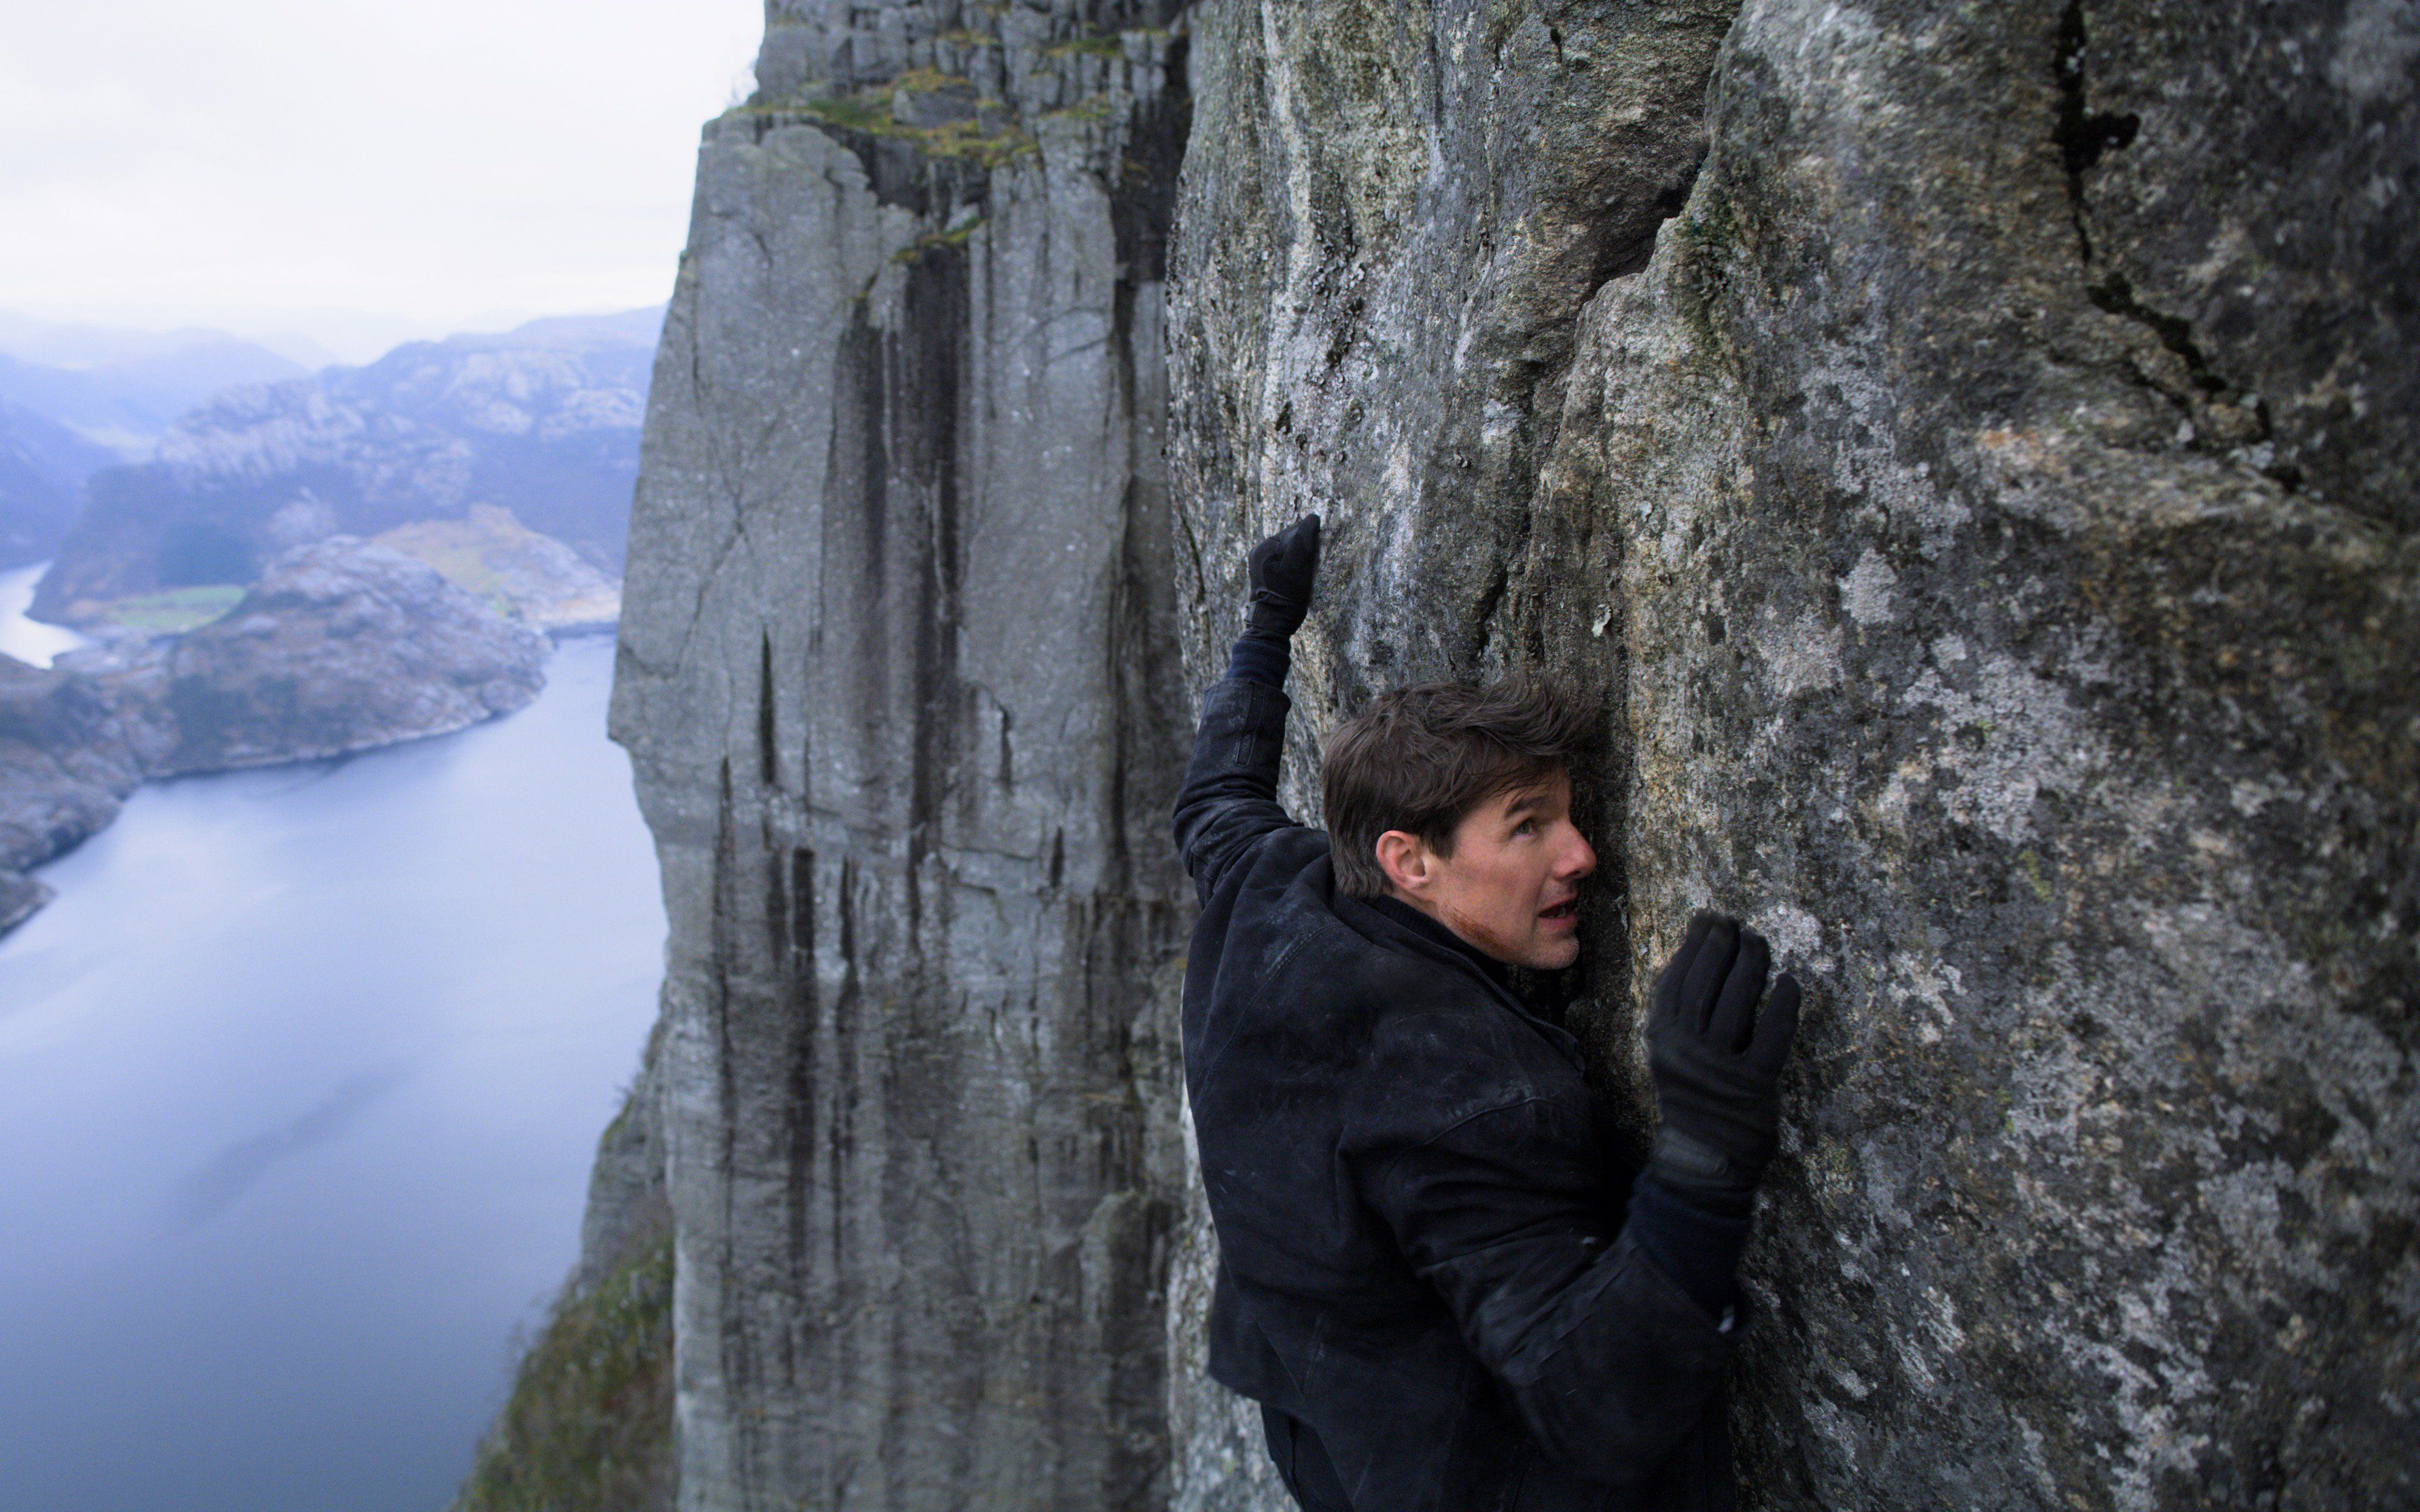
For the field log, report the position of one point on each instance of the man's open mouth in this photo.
(1565, 909)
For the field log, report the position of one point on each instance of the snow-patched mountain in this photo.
(542, 420)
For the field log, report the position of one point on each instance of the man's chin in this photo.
(1552, 955)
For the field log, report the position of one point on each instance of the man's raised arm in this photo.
(1228, 799)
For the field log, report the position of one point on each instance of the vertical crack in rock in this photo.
(2084, 137)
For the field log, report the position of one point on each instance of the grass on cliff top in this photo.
(174, 611)
(589, 1425)
(869, 111)
(458, 550)
(958, 236)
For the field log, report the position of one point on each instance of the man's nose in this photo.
(1580, 859)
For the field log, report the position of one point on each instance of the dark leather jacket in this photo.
(1423, 1255)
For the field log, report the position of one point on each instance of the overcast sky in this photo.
(354, 170)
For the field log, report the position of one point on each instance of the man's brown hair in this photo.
(1420, 758)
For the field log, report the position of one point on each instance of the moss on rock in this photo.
(589, 1425)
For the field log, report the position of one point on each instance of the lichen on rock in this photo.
(1992, 595)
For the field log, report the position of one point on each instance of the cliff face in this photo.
(1967, 451)
(897, 680)
(1986, 517)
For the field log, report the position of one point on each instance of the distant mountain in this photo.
(635, 327)
(79, 344)
(77, 398)
(42, 469)
(542, 420)
(126, 401)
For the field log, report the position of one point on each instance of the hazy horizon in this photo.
(351, 175)
(76, 343)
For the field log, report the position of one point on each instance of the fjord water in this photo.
(29, 641)
(299, 1079)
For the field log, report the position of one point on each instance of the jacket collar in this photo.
(1390, 922)
(1435, 932)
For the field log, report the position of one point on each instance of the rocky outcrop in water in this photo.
(543, 420)
(73, 745)
(343, 647)
(1967, 450)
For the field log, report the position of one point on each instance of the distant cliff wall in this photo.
(1987, 518)
(897, 679)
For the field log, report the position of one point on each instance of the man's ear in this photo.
(1406, 859)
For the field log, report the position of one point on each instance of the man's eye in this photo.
(1527, 827)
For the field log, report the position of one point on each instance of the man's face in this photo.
(1511, 886)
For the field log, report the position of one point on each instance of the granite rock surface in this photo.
(1985, 519)
(897, 680)
(1964, 452)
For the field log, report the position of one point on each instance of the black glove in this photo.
(1281, 569)
(1716, 1060)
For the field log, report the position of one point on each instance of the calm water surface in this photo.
(300, 1078)
(28, 640)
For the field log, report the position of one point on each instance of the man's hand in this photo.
(1716, 1061)
(1281, 569)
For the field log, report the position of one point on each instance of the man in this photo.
(1429, 1276)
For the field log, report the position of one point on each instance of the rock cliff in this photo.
(1985, 514)
(897, 680)
(1967, 452)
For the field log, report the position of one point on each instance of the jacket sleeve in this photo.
(1607, 1359)
(1230, 797)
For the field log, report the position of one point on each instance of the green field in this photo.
(176, 610)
